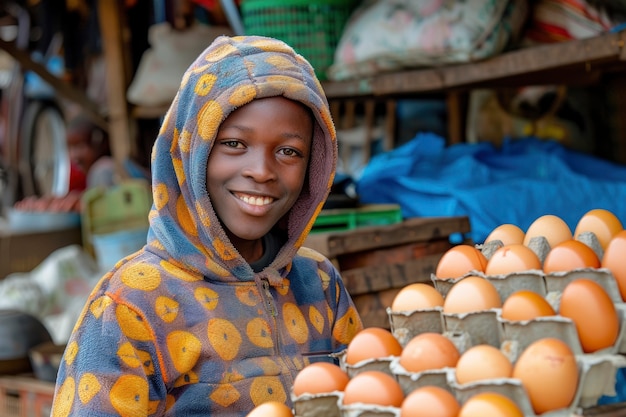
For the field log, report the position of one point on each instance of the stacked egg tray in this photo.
(597, 370)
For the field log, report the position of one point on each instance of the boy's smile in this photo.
(257, 168)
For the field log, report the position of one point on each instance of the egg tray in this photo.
(597, 370)
(478, 330)
(541, 247)
(331, 405)
(593, 383)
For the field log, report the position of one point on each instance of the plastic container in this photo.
(34, 221)
(115, 219)
(351, 218)
(312, 28)
(112, 247)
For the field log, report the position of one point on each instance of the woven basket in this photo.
(312, 28)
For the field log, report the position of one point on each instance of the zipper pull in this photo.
(269, 299)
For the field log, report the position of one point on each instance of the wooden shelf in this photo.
(577, 62)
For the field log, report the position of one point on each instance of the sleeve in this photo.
(108, 367)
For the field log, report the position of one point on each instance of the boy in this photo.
(222, 307)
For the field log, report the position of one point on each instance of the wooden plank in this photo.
(387, 276)
(393, 254)
(390, 125)
(415, 229)
(583, 53)
(349, 88)
(117, 75)
(455, 117)
(372, 307)
(538, 64)
(404, 82)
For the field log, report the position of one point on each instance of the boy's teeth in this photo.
(257, 201)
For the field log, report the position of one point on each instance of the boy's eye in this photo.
(232, 143)
(290, 152)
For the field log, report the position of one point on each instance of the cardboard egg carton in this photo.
(505, 284)
(473, 328)
(331, 405)
(374, 364)
(590, 239)
(464, 329)
(596, 378)
(405, 325)
(517, 335)
(368, 410)
(410, 381)
(314, 405)
(557, 281)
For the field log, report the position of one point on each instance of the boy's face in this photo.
(258, 165)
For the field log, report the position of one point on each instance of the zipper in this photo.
(269, 300)
(271, 308)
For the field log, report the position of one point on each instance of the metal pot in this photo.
(19, 332)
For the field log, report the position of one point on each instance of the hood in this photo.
(231, 72)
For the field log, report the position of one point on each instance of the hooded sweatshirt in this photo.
(185, 327)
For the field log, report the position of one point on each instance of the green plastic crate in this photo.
(106, 210)
(312, 28)
(332, 220)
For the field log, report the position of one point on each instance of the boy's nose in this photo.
(260, 167)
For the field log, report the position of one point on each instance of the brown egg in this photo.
(525, 305)
(459, 260)
(320, 378)
(568, 255)
(512, 258)
(552, 227)
(482, 362)
(592, 311)
(430, 401)
(373, 387)
(429, 351)
(470, 294)
(490, 404)
(614, 260)
(271, 409)
(417, 296)
(603, 223)
(372, 343)
(507, 233)
(548, 371)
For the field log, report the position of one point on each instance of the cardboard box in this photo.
(23, 251)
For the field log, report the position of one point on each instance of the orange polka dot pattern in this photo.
(185, 327)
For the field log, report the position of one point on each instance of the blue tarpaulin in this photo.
(516, 182)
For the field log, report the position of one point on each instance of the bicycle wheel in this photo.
(44, 157)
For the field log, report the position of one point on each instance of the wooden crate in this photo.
(25, 396)
(377, 262)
